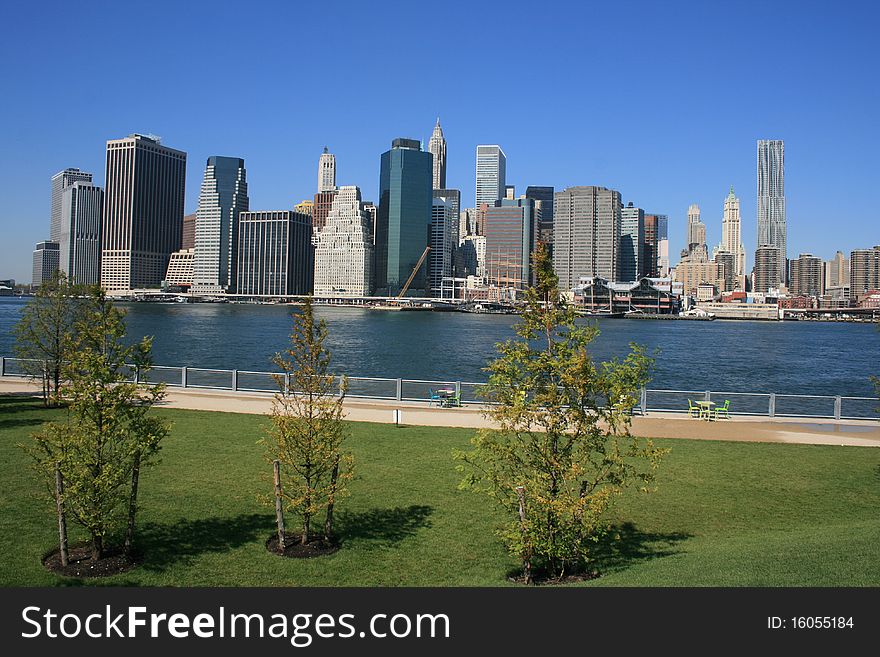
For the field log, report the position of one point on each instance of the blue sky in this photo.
(661, 100)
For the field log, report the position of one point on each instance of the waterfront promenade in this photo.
(806, 431)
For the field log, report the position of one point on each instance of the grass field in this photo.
(724, 514)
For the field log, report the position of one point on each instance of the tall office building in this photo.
(444, 240)
(771, 198)
(404, 216)
(768, 263)
(543, 194)
(61, 181)
(275, 254)
(326, 172)
(662, 245)
(45, 262)
(650, 252)
(731, 237)
(223, 197)
(864, 271)
(837, 271)
(79, 245)
(491, 174)
(586, 234)
(188, 239)
(143, 212)
(511, 231)
(344, 255)
(727, 263)
(806, 276)
(452, 195)
(632, 244)
(321, 208)
(696, 229)
(437, 148)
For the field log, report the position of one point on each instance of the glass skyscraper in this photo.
(404, 216)
(491, 174)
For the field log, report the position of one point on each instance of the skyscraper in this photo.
(45, 262)
(545, 195)
(444, 240)
(321, 207)
(650, 252)
(491, 174)
(452, 195)
(437, 148)
(837, 271)
(731, 238)
(511, 230)
(143, 212)
(275, 254)
(404, 216)
(326, 172)
(223, 197)
(864, 271)
(79, 245)
(807, 276)
(344, 255)
(632, 244)
(61, 181)
(586, 234)
(188, 240)
(662, 245)
(771, 198)
(696, 229)
(768, 264)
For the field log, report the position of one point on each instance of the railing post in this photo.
(458, 390)
(234, 380)
(2, 365)
(287, 383)
(837, 404)
(183, 376)
(399, 389)
(137, 374)
(707, 396)
(772, 409)
(643, 401)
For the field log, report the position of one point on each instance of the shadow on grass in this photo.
(180, 542)
(383, 526)
(14, 422)
(625, 545)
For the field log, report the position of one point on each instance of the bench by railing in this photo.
(671, 401)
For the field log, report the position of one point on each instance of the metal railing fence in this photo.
(671, 401)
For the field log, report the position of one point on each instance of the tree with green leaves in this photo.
(42, 332)
(307, 431)
(560, 450)
(92, 460)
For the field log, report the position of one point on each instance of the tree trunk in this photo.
(279, 512)
(527, 552)
(97, 547)
(328, 522)
(62, 518)
(132, 503)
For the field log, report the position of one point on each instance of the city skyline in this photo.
(662, 161)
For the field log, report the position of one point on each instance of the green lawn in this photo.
(724, 514)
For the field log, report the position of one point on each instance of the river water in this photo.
(821, 358)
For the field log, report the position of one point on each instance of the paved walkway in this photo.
(808, 431)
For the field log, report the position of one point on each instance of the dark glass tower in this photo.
(404, 216)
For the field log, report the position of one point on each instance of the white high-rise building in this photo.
(344, 255)
(444, 240)
(223, 197)
(437, 148)
(491, 174)
(61, 181)
(731, 238)
(326, 172)
(771, 198)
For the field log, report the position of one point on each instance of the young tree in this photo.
(41, 333)
(307, 430)
(92, 460)
(562, 449)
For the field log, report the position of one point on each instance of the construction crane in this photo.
(414, 272)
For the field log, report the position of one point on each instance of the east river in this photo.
(820, 358)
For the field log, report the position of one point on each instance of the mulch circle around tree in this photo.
(81, 564)
(541, 579)
(295, 550)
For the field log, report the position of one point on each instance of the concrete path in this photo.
(807, 431)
